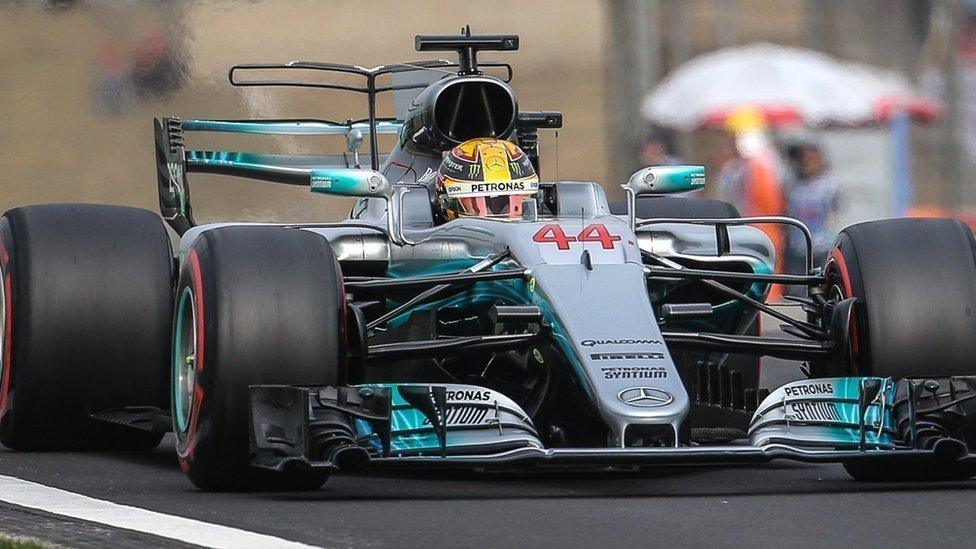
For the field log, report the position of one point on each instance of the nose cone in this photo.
(605, 324)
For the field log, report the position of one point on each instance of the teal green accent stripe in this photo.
(275, 127)
(240, 159)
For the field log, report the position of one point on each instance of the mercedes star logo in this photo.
(494, 163)
(645, 397)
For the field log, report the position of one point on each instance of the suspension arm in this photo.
(450, 346)
(439, 290)
(700, 274)
(788, 349)
(424, 281)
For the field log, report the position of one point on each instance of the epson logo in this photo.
(595, 342)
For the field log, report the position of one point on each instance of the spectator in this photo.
(750, 178)
(814, 199)
(656, 151)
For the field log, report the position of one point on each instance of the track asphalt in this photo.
(776, 505)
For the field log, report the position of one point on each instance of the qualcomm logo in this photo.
(645, 397)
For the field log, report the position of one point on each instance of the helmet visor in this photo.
(508, 206)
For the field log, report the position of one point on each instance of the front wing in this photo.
(445, 425)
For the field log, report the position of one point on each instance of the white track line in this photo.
(69, 504)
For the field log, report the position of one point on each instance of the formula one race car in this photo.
(559, 334)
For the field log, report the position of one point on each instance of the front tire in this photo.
(255, 305)
(915, 282)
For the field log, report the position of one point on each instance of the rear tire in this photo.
(87, 303)
(255, 305)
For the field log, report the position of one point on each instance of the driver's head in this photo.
(485, 178)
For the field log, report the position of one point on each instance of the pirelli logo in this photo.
(627, 356)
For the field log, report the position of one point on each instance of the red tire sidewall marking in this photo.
(837, 258)
(8, 329)
(196, 283)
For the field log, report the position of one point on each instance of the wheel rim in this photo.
(184, 355)
(835, 292)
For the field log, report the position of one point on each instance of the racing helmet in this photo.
(485, 177)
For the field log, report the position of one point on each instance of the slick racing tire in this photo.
(254, 305)
(915, 284)
(86, 307)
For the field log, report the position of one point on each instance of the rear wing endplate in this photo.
(174, 161)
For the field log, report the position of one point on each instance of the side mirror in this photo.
(666, 180)
(658, 180)
(360, 183)
(351, 182)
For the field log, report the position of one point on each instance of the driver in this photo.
(485, 177)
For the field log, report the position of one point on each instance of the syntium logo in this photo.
(814, 411)
(634, 372)
(464, 415)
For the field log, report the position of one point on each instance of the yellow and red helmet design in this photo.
(485, 177)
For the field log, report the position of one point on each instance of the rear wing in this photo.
(174, 161)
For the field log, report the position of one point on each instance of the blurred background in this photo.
(834, 111)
